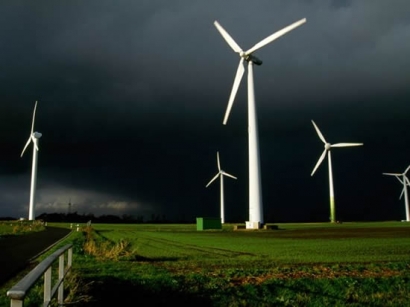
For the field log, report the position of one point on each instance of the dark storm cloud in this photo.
(132, 96)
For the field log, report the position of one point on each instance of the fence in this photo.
(19, 291)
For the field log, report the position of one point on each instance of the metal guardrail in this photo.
(19, 291)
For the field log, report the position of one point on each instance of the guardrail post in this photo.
(16, 303)
(60, 295)
(70, 258)
(47, 285)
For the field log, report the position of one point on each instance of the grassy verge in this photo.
(8, 228)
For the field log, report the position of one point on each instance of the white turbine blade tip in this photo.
(24, 149)
(34, 116)
(346, 144)
(322, 157)
(231, 42)
(236, 83)
(229, 175)
(212, 180)
(275, 36)
(319, 133)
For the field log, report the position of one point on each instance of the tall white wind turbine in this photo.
(221, 175)
(255, 189)
(405, 182)
(328, 146)
(34, 137)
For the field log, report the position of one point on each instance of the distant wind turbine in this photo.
(328, 146)
(34, 137)
(405, 182)
(221, 174)
(255, 189)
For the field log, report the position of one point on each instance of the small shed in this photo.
(203, 223)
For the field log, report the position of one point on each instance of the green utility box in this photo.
(203, 223)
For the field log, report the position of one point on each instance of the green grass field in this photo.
(322, 264)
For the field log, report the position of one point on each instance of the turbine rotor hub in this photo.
(253, 59)
(327, 146)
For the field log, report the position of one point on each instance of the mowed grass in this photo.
(349, 264)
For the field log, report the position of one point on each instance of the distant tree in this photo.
(109, 218)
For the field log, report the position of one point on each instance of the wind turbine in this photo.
(34, 137)
(328, 146)
(405, 182)
(221, 174)
(255, 189)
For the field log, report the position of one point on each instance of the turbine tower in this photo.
(405, 182)
(221, 174)
(34, 137)
(328, 146)
(255, 189)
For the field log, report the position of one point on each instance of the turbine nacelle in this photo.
(253, 59)
(36, 135)
(328, 146)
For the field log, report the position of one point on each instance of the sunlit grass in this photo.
(320, 264)
(292, 243)
(19, 227)
(350, 264)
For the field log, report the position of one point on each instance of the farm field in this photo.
(350, 264)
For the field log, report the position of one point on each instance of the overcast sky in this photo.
(131, 97)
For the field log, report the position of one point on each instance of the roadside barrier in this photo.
(19, 291)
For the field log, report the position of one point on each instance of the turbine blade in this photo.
(237, 81)
(217, 159)
(401, 194)
(229, 175)
(346, 144)
(275, 35)
(213, 179)
(398, 178)
(319, 161)
(319, 133)
(24, 149)
(392, 174)
(34, 116)
(34, 142)
(228, 38)
(407, 169)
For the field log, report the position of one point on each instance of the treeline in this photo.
(106, 218)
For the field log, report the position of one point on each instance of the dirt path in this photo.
(16, 251)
